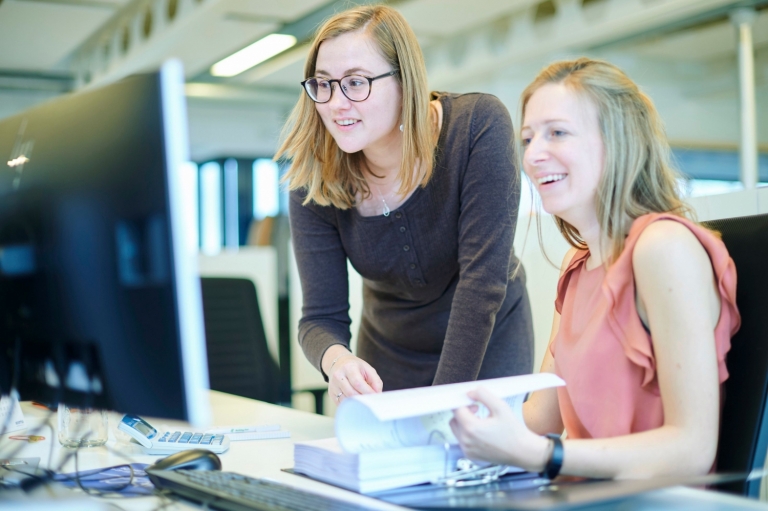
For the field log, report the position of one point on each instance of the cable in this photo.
(49, 475)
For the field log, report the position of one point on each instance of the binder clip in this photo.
(466, 471)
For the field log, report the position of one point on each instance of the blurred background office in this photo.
(704, 63)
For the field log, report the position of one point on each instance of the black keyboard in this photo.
(234, 492)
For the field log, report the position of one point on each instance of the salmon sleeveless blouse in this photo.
(603, 351)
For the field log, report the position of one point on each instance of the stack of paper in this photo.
(398, 438)
(11, 416)
(374, 471)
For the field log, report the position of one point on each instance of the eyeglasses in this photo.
(354, 87)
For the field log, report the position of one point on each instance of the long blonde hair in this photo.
(329, 175)
(638, 177)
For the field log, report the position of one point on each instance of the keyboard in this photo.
(234, 492)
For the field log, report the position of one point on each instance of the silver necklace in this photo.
(385, 210)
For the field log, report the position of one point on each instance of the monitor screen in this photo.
(99, 293)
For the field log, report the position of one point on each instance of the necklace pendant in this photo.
(385, 211)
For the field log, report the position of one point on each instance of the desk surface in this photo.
(266, 458)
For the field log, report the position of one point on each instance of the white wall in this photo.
(226, 128)
(258, 264)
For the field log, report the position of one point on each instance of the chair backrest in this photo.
(239, 361)
(743, 439)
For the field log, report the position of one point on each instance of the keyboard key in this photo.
(235, 491)
(196, 438)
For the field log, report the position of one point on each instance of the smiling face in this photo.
(370, 125)
(564, 152)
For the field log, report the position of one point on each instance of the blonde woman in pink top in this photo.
(645, 308)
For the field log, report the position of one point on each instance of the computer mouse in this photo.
(193, 459)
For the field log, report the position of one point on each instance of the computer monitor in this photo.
(99, 292)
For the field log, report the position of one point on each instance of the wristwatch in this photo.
(555, 462)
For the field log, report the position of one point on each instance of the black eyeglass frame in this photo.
(370, 86)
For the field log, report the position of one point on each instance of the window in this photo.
(266, 188)
(211, 232)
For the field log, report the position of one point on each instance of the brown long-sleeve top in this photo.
(438, 303)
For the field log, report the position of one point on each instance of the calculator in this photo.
(168, 442)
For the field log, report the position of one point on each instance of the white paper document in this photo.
(404, 418)
(11, 416)
(403, 437)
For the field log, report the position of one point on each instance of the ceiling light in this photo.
(256, 53)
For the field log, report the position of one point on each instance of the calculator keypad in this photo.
(178, 437)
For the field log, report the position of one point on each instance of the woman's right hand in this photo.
(349, 375)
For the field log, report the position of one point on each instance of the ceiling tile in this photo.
(37, 36)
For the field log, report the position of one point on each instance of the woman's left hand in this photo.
(501, 437)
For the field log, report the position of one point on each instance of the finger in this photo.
(463, 416)
(461, 435)
(456, 429)
(345, 387)
(340, 381)
(496, 406)
(355, 377)
(336, 394)
(373, 379)
(358, 382)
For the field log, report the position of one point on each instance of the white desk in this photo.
(265, 458)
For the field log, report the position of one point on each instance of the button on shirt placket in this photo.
(413, 269)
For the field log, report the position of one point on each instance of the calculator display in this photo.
(140, 425)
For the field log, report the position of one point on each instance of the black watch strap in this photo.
(555, 462)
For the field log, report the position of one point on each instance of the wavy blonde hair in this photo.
(329, 175)
(638, 177)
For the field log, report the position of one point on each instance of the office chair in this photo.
(743, 441)
(239, 361)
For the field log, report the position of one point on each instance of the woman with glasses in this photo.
(420, 193)
(646, 302)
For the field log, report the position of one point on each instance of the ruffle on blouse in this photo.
(619, 290)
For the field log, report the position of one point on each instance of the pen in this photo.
(223, 430)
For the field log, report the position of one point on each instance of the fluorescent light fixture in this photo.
(256, 53)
